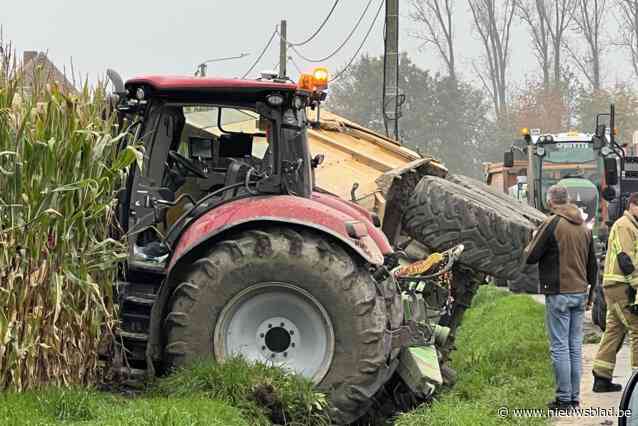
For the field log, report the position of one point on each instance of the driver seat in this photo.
(236, 173)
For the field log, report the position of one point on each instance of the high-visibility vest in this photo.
(626, 227)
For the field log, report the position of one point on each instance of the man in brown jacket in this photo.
(564, 249)
(620, 281)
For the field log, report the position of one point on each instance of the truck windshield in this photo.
(574, 159)
(569, 152)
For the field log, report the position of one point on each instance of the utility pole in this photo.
(283, 49)
(392, 100)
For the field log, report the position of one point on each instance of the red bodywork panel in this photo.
(357, 212)
(188, 82)
(320, 213)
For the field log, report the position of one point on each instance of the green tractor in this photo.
(589, 166)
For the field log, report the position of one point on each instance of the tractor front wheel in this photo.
(291, 298)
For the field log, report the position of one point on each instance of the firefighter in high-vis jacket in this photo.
(620, 281)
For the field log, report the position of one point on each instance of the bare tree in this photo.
(628, 11)
(588, 16)
(435, 16)
(558, 16)
(493, 24)
(533, 13)
(549, 21)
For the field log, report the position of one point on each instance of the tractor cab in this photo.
(208, 141)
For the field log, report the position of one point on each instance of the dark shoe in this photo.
(557, 404)
(603, 384)
(575, 404)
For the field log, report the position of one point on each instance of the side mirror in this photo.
(598, 142)
(508, 159)
(609, 194)
(628, 408)
(611, 171)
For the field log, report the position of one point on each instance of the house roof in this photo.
(36, 65)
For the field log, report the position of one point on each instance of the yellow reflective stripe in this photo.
(619, 313)
(604, 364)
(633, 280)
(614, 277)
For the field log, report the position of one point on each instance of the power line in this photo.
(261, 55)
(338, 49)
(295, 64)
(356, 54)
(325, 21)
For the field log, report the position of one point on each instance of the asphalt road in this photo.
(605, 401)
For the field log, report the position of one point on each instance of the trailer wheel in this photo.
(442, 213)
(293, 298)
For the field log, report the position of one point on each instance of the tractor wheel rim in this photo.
(277, 324)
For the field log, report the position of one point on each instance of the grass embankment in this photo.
(502, 361)
(232, 394)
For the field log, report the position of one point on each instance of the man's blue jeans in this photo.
(564, 319)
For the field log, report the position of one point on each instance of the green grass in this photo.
(260, 392)
(233, 394)
(502, 361)
(86, 407)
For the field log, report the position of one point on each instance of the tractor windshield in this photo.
(572, 159)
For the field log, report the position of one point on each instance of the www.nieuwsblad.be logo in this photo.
(563, 412)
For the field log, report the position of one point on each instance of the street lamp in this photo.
(201, 68)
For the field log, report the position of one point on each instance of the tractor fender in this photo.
(356, 211)
(308, 212)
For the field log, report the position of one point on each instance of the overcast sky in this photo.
(172, 37)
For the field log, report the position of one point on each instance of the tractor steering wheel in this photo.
(187, 164)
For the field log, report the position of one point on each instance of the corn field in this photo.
(59, 169)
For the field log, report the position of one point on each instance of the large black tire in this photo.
(442, 213)
(526, 281)
(319, 266)
(499, 282)
(599, 307)
(530, 213)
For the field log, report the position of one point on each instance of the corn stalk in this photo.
(59, 168)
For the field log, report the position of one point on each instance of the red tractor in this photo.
(233, 250)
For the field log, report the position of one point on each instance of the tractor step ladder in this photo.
(136, 296)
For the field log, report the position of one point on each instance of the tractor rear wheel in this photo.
(442, 213)
(292, 298)
(527, 281)
(528, 212)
